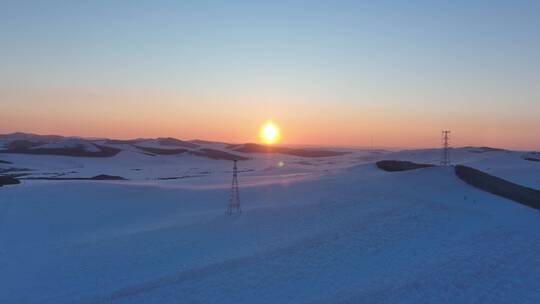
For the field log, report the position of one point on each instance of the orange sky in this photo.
(238, 118)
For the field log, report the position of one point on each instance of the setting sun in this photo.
(270, 133)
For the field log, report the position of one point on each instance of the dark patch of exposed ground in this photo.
(97, 177)
(484, 149)
(398, 165)
(532, 156)
(498, 186)
(8, 180)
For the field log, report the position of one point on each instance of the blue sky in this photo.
(455, 61)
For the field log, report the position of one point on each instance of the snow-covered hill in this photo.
(312, 230)
(168, 158)
(361, 235)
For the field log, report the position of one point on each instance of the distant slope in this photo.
(160, 151)
(78, 149)
(121, 142)
(206, 142)
(203, 152)
(31, 137)
(484, 149)
(169, 141)
(22, 143)
(217, 154)
(255, 148)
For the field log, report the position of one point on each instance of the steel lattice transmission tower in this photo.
(234, 200)
(445, 154)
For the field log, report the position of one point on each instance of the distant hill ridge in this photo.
(26, 143)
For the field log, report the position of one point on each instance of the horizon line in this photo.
(250, 142)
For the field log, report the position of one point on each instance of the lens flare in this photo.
(270, 133)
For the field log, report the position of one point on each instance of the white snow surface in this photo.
(327, 230)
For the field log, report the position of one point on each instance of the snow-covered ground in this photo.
(509, 165)
(312, 230)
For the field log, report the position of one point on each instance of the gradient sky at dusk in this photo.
(328, 72)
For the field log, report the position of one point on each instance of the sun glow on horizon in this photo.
(270, 133)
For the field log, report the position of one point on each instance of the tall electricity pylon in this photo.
(445, 153)
(234, 200)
